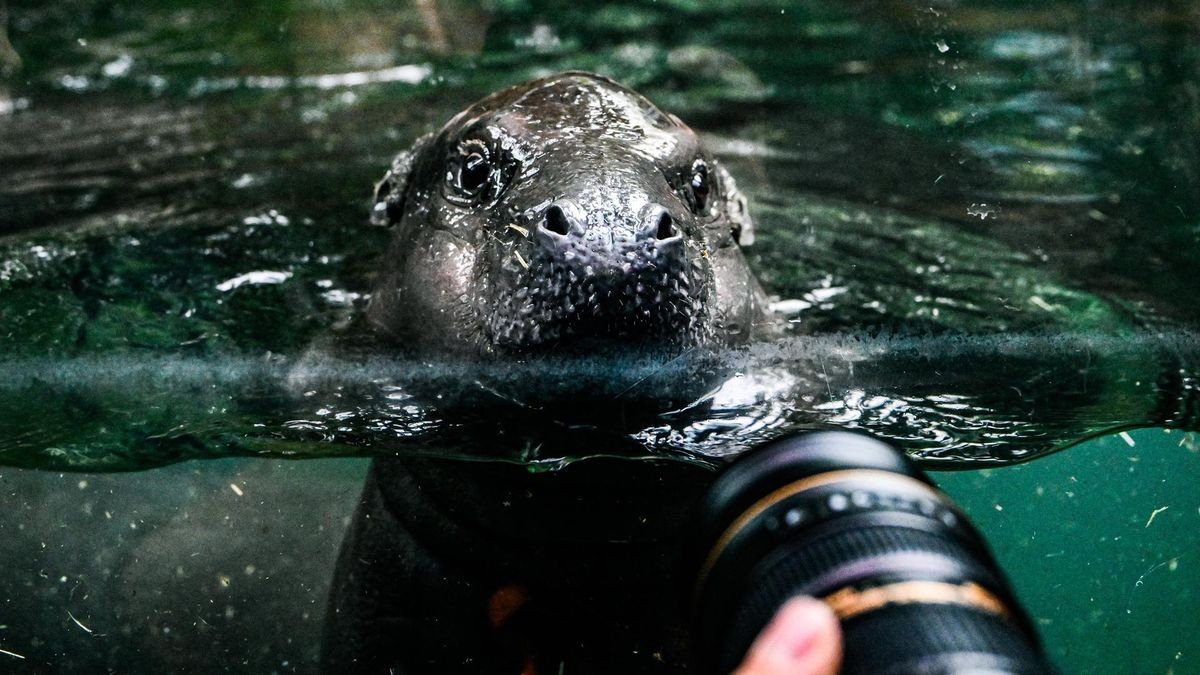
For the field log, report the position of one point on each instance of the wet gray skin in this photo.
(564, 211)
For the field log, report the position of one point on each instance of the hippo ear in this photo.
(736, 209)
(390, 191)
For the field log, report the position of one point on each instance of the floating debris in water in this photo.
(236, 490)
(1127, 438)
(78, 622)
(1155, 513)
(1171, 566)
(12, 654)
(1191, 441)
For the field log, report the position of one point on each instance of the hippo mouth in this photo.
(640, 293)
(593, 315)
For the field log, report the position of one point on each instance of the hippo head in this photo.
(566, 211)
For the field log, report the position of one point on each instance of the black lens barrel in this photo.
(847, 518)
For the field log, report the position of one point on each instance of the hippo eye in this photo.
(473, 173)
(478, 174)
(700, 186)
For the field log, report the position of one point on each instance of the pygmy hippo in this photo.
(561, 214)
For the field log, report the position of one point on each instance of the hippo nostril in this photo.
(666, 228)
(556, 221)
(657, 223)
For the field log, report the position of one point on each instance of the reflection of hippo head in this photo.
(563, 210)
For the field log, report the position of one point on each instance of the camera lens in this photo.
(849, 520)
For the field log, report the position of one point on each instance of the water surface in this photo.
(979, 226)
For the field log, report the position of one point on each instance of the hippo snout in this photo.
(562, 219)
(608, 240)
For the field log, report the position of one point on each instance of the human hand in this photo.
(804, 638)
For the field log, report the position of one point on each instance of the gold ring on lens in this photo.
(848, 601)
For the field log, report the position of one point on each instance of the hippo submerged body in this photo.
(567, 214)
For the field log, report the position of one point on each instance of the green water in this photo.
(982, 221)
(1101, 543)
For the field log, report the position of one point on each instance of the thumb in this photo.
(804, 638)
